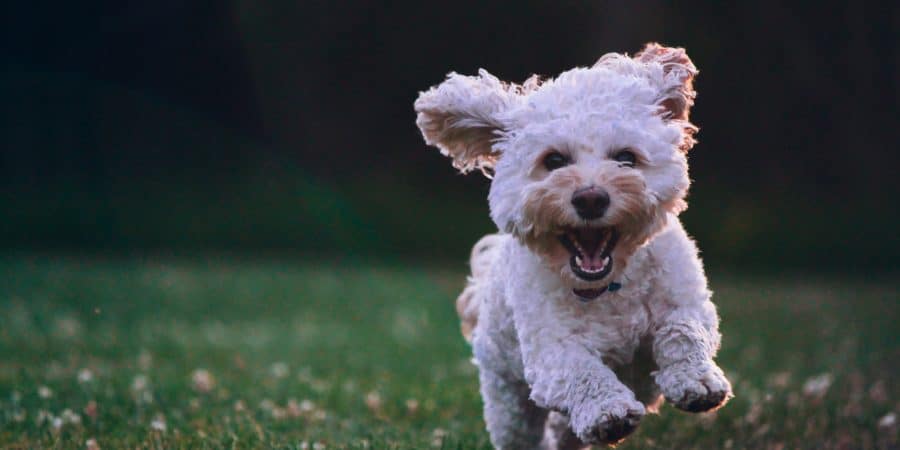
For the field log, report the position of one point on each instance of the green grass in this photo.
(366, 355)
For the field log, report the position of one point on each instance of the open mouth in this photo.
(590, 249)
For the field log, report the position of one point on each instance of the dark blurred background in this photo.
(287, 127)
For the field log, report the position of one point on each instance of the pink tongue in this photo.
(593, 262)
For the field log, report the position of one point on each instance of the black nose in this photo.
(590, 202)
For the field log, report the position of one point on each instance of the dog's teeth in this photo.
(578, 260)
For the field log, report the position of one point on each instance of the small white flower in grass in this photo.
(91, 444)
(202, 381)
(85, 376)
(373, 400)
(139, 383)
(44, 392)
(56, 423)
(304, 445)
(293, 408)
(279, 413)
(70, 417)
(412, 405)
(273, 409)
(158, 424)
(266, 405)
(240, 406)
(887, 421)
(304, 408)
(318, 446)
(319, 415)
(437, 437)
(817, 386)
(279, 370)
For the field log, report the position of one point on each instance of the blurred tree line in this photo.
(288, 126)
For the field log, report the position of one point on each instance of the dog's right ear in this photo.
(462, 117)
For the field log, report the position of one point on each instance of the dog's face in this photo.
(587, 166)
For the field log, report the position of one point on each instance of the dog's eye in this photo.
(555, 160)
(626, 157)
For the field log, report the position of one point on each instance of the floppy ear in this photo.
(461, 117)
(677, 89)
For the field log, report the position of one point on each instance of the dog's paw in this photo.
(694, 387)
(609, 421)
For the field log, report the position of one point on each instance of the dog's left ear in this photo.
(677, 88)
(462, 117)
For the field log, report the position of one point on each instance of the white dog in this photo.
(592, 301)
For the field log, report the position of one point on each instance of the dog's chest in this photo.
(613, 326)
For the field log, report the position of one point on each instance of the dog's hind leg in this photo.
(513, 420)
(469, 301)
(559, 436)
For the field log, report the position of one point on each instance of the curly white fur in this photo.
(557, 371)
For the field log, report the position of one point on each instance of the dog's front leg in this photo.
(686, 330)
(683, 348)
(566, 376)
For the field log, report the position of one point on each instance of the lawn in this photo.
(223, 352)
